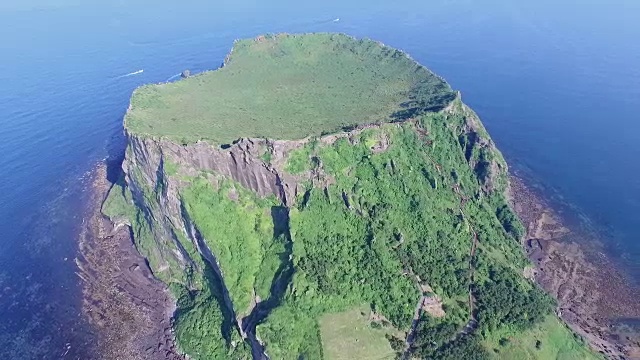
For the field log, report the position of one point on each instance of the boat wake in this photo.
(173, 77)
(324, 21)
(130, 74)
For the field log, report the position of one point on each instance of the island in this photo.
(326, 197)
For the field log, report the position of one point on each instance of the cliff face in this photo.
(156, 169)
(130, 309)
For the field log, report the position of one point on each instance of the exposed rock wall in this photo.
(147, 173)
(478, 139)
(131, 309)
(155, 171)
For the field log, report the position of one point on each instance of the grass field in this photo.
(350, 335)
(548, 340)
(288, 87)
(118, 205)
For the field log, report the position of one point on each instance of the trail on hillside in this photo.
(472, 323)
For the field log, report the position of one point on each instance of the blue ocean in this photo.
(557, 83)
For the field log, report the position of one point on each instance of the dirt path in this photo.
(130, 309)
(472, 323)
(414, 323)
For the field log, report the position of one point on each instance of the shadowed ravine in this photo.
(217, 282)
(282, 278)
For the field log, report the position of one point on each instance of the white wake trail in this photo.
(131, 74)
(173, 77)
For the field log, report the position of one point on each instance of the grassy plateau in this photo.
(288, 87)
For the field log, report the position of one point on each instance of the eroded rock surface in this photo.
(593, 296)
(129, 307)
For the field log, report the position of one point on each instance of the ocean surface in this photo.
(557, 83)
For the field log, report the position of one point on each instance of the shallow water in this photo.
(557, 85)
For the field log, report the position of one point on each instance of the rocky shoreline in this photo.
(593, 296)
(130, 309)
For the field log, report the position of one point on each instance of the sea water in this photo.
(556, 83)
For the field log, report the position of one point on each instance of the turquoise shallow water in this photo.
(557, 85)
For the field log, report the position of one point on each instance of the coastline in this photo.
(592, 293)
(130, 309)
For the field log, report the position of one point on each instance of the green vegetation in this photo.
(547, 340)
(238, 228)
(291, 331)
(352, 335)
(288, 87)
(118, 205)
(170, 167)
(384, 219)
(299, 160)
(266, 157)
(203, 329)
(503, 302)
(382, 213)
